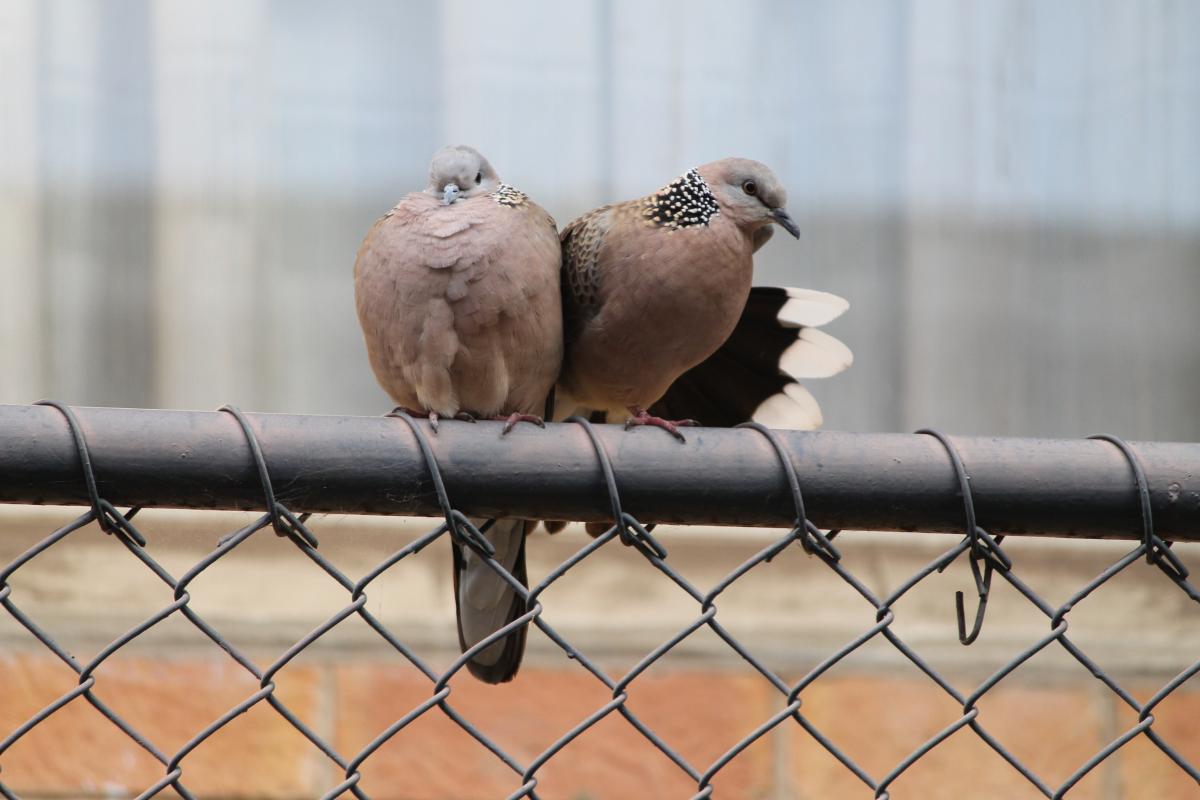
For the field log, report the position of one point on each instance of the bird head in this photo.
(459, 172)
(749, 193)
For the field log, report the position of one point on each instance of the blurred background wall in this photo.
(1008, 193)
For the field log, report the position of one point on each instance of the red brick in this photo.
(878, 721)
(700, 714)
(1144, 770)
(76, 750)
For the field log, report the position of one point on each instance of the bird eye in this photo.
(478, 177)
(750, 188)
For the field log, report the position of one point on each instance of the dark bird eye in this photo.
(478, 177)
(750, 188)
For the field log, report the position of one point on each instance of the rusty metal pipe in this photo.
(372, 465)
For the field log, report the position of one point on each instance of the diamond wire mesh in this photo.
(984, 553)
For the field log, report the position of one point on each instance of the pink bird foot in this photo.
(641, 417)
(512, 419)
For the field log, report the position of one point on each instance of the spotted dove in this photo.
(661, 322)
(457, 289)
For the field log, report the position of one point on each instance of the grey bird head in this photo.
(459, 172)
(749, 193)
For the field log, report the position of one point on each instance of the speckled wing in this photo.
(581, 243)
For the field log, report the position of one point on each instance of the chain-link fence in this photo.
(983, 551)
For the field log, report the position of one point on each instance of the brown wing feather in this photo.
(581, 243)
(460, 306)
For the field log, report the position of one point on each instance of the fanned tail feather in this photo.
(753, 374)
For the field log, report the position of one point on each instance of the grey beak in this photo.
(786, 222)
(449, 193)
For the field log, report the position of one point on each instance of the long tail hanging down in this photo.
(485, 602)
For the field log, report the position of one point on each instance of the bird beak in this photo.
(786, 222)
(450, 194)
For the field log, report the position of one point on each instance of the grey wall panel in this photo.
(95, 154)
(22, 363)
(352, 111)
(1008, 194)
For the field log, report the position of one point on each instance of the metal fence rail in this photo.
(289, 465)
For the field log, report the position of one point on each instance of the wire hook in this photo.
(983, 547)
(983, 585)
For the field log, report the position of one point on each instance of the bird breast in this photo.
(693, 281)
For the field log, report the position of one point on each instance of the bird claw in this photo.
(641, 417)
(432, 416)
(464, 416)
(512, 419)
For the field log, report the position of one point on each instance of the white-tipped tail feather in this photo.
(752, 375)
(810, 308)
(815, 354)
(792, 409)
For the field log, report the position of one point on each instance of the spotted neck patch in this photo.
(686, 202)
(506, 195)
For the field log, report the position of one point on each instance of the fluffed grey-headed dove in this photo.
(661, 322)
(457, 289)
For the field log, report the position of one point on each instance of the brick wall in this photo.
(700, 699)
(876, 718)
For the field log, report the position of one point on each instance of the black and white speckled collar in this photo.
(684, 203)
(506, 195)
